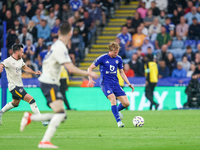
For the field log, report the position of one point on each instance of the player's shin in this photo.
(115, 113)
(34, 107)
(120, 107)
(7, 107)
(54, 123)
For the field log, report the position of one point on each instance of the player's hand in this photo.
(131, 87)
(93, 75)
(91, 83)
(38, 72)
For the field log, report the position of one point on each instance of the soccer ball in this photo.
(138, 121)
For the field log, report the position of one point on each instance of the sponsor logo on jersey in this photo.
(107, 61)
(112, 68)
(20, 90)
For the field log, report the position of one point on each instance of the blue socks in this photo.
(115, 113)
(120, 107)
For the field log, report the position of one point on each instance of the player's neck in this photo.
(63, 39)
(110, 55)
(14, 56)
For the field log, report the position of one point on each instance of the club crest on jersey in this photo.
(107, 62)
(117, 61)
(108, 91)
(112, 68)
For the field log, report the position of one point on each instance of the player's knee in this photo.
(126, 104)
(15, 104)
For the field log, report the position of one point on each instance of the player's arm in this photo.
(91, 81)
(73, 69)
(121, 71)
(29, 70)
(1, 67)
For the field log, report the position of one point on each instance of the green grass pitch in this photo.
(97, 130)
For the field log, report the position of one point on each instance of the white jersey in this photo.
(52, 63)
(14, 71)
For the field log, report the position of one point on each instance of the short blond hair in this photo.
(113, 46)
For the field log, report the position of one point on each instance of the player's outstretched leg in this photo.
(7, 107)
(34, 107)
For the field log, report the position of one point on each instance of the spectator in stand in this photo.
(197, 58)
(170, 63)
(192, 70)
(11, 4)
(186, 63)
(40, 47)
(75, 4)
(77, 44)
(136, 20)
(137, 39)
(128, 71)
(193, 14)
(37, 18)
(54, 30)
(48, 4)
(189, 8)
(57, 10)
(162, 55)
(43, 11)
(148, 20)
(122, 49)
(179, 72)
(9, 20)
(41, 55)
(163, 70)
(32, 30)
(169, 26)
(72, 52)
(23, 5)
(11, 37)
(125, 37)
(182, 29)
(95, 14)
(23, 19)
(147, 44)
(51, 19)
(84, 32)
(17, 11)
(144, 29)
(156, 10)
(90, 25)
(162, 38)
(147, 3)
(189, 54)
(26, 75)
(154, 29)
(66, 12)
(30, 11)
(162, 17)
(180, 10)
(142, 10)
(176, 18)
(24, 36)
(87, 5)
(149, 54)
(129, 25)
(194, 30)
(35, 4)
(136, 65)
(29, 50)
(198, 48)
(17, 27)
(139, 54)
(76, 17)
(161, 4)
(197, 70)
(44, 31)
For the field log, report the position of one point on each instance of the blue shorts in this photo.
(116, 89)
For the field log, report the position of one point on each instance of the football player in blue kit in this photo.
(109, 63)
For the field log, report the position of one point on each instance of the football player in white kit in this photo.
(49, 83)
(13, 66)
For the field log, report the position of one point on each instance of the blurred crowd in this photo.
(35, 24)
(167, 32)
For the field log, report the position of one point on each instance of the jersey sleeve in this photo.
(120, 64)
(98, 61)
(6, 63)
(23, 63)
(62, 56)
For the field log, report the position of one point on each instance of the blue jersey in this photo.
(108, 68)
(124, 38)
(75, 4)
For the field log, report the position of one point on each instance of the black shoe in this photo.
(156, 106)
